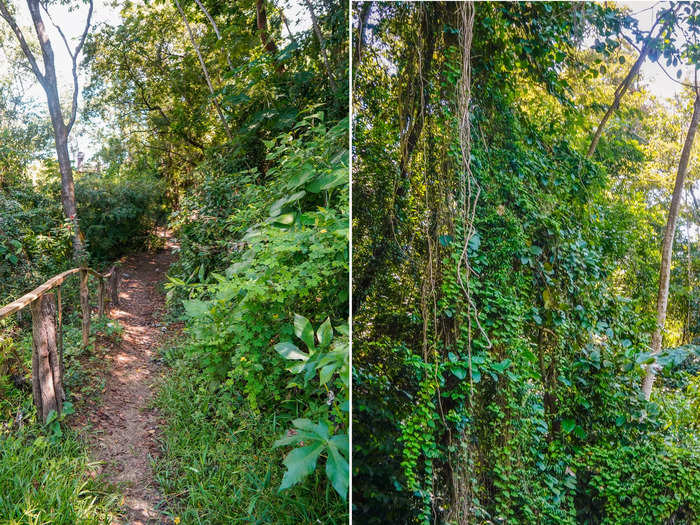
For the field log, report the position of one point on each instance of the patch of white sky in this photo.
(72, 23)
(656, 80)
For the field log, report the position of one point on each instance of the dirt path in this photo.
(124, 426)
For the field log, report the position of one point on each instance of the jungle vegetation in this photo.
(226, 124)
(526, 249)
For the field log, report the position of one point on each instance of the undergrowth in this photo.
(218, 464)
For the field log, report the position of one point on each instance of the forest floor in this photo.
(123, 426)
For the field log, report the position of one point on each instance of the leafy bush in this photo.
(118, 213)
(272, 250)
(643, 483)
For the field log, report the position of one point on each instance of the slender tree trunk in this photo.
(624, 86)
(267, 42)
(667, 247)
(205, 71)
(216, 30)
(321, 43)
(48, 82)
(361, 31)
(59, 127)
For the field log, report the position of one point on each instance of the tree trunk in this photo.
(205, 71)
(47, 381)
(267, 42)
(361, 31)
(216, 30)
(85, 306)
(321, 44)
(48, 81)
(667, 248)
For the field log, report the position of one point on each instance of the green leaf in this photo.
(303, 330)
(459, 372)
(568, 425)
(289, 350)
(51, 417)
(195, 309)
(476, 375)
(325, 333)
(326, 373)
(300, 462)
(338, 471)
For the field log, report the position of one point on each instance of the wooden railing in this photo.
(47, 330)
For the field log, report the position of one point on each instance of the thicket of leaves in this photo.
(517, 399)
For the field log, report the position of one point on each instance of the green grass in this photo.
(50, 483)
(219, 466)
(46, 479)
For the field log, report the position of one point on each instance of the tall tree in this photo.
(49, 83)
(667, 247)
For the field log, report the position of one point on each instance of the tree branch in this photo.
(74, 57)
(5, 14)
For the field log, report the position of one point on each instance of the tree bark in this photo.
(47, 381)
(216, 30)
(85, 306)
(267, 42)
(667, 247)
(361, 31)
(321, 43)
(48, 82)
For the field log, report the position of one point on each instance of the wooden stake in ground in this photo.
(667, 247)
(85, 305)
(47, 380)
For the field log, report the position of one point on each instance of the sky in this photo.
(107, 11)
(658, 83)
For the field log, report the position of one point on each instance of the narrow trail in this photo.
(124, 425)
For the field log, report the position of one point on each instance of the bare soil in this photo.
(125, 426)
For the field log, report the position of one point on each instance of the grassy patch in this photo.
(218, 464)
(49, 482)
(44, 478)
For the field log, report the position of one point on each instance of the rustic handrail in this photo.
(47, 340)
(56, 280)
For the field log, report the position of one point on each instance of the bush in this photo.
(638, 484)
(118, 213)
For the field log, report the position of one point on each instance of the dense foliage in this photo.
(502, 316)
(243, 156)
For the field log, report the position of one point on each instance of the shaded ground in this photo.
(124, 425)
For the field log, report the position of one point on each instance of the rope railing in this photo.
(47, 329)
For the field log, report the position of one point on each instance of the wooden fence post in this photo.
(59, 334)
(85, 305)
(47, 380)
(114, 286)
(101, 298)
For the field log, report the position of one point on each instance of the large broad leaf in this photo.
(289, 350)
(338, 471)
(320, 429)
(195, 308)
(303, 330)
(300, 462)
(568, 425)
(326, 373)
(325, 333)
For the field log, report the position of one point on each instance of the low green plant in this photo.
(328, 358)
